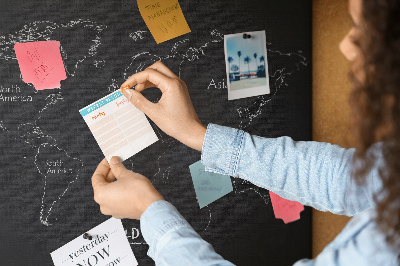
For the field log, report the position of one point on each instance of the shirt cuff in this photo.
(221, 150)
(158, 219)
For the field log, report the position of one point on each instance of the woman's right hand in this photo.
(173, 113)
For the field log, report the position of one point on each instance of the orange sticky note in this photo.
(288, 211)
(164, 18)
(41, 63)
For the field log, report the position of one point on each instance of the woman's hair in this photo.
(375, 102)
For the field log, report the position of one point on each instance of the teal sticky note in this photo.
(209, 186)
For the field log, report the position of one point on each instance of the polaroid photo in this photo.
(246, 64)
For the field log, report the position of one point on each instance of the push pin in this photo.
(246, 36)
(88, 236)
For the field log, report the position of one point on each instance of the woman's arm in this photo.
(315, 174)
(312, 173)
(172, 241)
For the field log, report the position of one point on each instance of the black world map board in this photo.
(48, 154)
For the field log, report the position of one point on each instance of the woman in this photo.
(316, 174)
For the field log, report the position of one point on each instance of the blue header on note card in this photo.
(100, 103)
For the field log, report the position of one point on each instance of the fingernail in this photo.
(124, 88)
(115, 160)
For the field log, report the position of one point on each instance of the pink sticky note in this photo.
(288, 211)
(41, 63)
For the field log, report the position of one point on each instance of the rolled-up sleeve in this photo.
(313, 173)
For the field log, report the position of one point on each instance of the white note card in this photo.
(118, 126)
(108, 247)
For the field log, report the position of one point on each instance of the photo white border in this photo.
(248, 92)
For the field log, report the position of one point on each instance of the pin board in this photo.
(48, 154)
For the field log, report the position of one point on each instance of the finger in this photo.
(142, 86)
(110, 177)
(140, 102)
(160, 67)
(117, 167)
(100, 174)
(159, 80)
(104, 210)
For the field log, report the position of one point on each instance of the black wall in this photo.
(104, 42)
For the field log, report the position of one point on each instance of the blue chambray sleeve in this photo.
(312, 173)
(172, 241)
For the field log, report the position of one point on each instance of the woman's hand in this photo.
(174, 113)
(128, 196)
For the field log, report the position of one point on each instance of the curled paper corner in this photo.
(288, 211)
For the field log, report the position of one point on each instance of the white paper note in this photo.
(108, 247)
(118, 126)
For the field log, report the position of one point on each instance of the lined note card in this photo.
(287, 210)
(41, 63)
(209, 186)
(108, 246)
(118, 126)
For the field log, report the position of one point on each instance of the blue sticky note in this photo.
(209, 186)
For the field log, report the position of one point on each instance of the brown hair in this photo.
(375, 102)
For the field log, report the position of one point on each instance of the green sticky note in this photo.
(209, 186)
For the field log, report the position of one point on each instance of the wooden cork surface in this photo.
(331, 88)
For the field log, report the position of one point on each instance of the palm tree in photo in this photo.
(255, 58)
(239, 54)
(247, 60)
(262, 59)
(230, 60)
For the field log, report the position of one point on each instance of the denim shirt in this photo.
(312, 173)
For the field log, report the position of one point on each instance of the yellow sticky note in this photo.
(164, 18)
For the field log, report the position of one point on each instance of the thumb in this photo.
(117, 167)
(138, 100)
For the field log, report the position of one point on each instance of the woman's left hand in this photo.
(128, 196)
